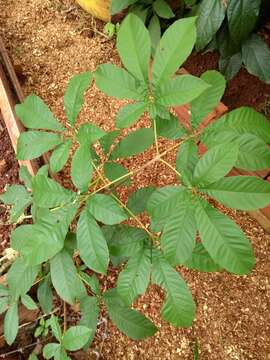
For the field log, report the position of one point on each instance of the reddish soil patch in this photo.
(243, 90)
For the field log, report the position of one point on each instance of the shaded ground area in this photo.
(49, 41)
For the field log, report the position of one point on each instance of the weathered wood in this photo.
(13, 125)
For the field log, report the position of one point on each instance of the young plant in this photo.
(72, 232)
(150, 12)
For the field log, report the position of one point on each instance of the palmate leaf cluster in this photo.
(72, 232)
(227, 26)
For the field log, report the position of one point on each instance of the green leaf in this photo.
(82, 168)
(180, 90)
(129, 114)
(215, 164)
(107, 140)
(3, 304)
(89, 134)
(170, 128)
(124, 240)
(76, 337)
(50, 350)
(230, 66)
(129, 321)
(105, 209)
(209, 99)
(179, 307)
(39, 242)
(25, 176)
(32, 144)
(21, 277)
(186, 160)
(240, 192)
(35, 114)
(11, 323)
(137, 201)
(28, 302)
(134, 47)
(73, 98)
(154, 32)
(200, 260)
(162, 9)
(254, 154)
(179, 234)
(92, 282)
(211, 14)
(242, 17)
(90, 311)
(55, 326)
(224, 240)
(45, 295)
(114, 171)
(163, 202)
(243, 121)
(117, 82)
(19, 198)
(134, 143)
(135, 277)
(65, 278)
(33, 356)
(92, 244)
(48, 193)
(118, 5)
(256, 57)
(43, 170)
(175, 46)
(60, 156)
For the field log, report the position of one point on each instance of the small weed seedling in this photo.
(73, 231)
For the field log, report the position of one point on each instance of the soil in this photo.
(49, 41)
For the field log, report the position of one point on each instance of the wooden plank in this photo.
(13, 125)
